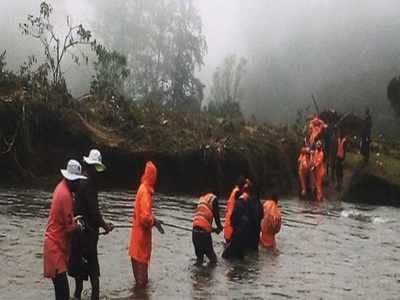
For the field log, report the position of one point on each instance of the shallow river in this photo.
(352, 253)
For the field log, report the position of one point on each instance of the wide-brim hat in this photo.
(73, 171)
(95, 159)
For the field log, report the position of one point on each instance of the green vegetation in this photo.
(111, 74)
(385, 167)
(382, 165)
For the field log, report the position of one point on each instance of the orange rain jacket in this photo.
(270, 224)
(303, 169)
(143, 218)
(56, 247)
(316, 127)
(319, 172)
(230, 205)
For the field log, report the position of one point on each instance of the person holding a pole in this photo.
(143, 221)
(207, 210)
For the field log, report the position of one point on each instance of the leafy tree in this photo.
(164, 44)
(111, 73)
(225, 93)
(393, 94)
(55, 47)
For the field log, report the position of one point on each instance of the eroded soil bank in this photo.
(377, 182)
(192, 151)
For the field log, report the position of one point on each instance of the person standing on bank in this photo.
(84, 261)
(207, 210)
(340, 157)
(366, 136)
(318, 170)
(60, 224)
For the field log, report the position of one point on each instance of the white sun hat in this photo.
(94, 158)
(73, 171)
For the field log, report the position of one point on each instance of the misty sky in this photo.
(344, 51)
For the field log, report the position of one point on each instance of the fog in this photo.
(343, 51)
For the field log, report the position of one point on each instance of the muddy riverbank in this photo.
(191, 150)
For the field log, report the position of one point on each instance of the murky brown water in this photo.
(353, 253)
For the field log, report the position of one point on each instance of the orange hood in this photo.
(150, 175)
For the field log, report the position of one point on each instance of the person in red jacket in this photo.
(60, 224)
(207, 210)
(318, 169)
(230, 205)
(271, 223)
(143, 221)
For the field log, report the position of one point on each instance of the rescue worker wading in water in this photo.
(230, 205)
(318, 169)
(84, 262)
(256, 214)
(143, 221)
(271, 223)
(241, 226)
(60, 225)
(207, 210)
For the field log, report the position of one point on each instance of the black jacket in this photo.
(240, 223)
(255, 215)
(87, 205)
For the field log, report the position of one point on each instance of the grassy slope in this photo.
(384, 166)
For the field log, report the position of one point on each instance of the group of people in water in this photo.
(72, 231)
(248, 223)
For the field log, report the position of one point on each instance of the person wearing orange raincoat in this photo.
(318, 169)
(271, 223)
(230, 205)
(315, 129)
(304, 169)
(143, 221)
